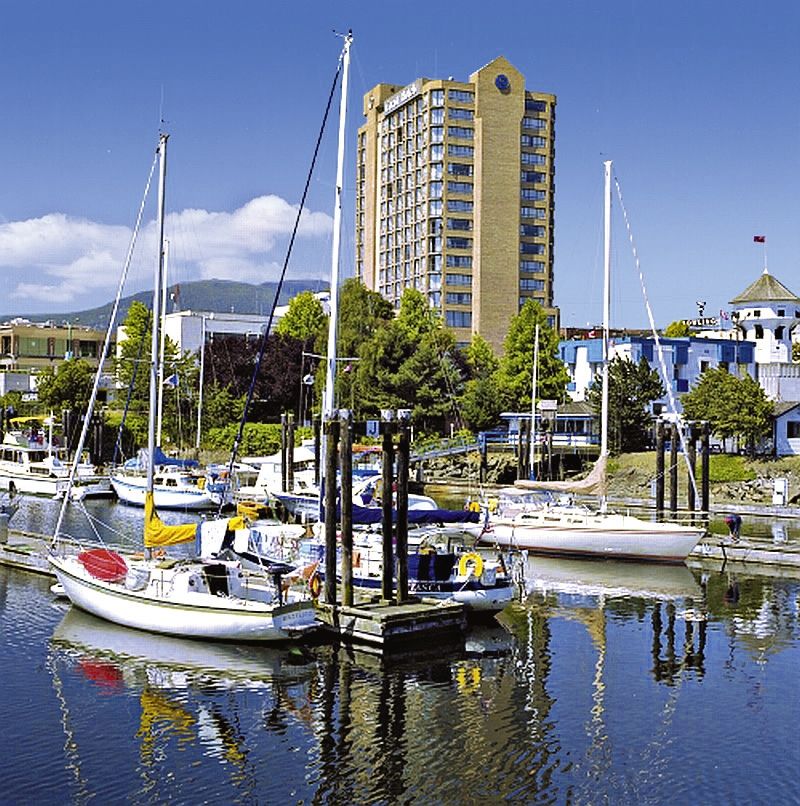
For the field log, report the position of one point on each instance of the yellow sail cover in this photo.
(158, 533)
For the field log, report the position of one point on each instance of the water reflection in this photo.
(597, 686)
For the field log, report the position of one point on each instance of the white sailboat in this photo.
(554, 528)
(199, 597)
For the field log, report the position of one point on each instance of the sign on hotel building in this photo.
(454, 197)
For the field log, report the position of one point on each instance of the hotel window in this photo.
(526, 284)
(460, 114)
(532, 230)
(459, 206)
(529, 158)
(459, 187)
(435, 282)
(533, 212)
(437, 134)
(533, 123)
(532, 248)
(435, 299)
(460, 131)
(463, 96)
(530, 194)
(436, 170)
(532, 105)
(533, 140)
(458, 298)
(459, 169)
(435, 190)
(459, 223)
(459, 262)
(532, 176)
(455, 150)
(435, 207)
(458, 318)
(437, 97)
(459, 279)
(437, 153)
(531, 266)
(437, 117)
(459, 243)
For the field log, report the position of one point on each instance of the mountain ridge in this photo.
(219, 296)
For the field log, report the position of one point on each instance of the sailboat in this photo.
(204, 596)
(548, 526)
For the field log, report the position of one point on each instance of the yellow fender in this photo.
(471, 557)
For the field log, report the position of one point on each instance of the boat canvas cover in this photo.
(158, 533)
(140, 462)
(369, 515)
(594, 483)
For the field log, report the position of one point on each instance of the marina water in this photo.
(607, 682)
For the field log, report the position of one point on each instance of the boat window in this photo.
(172, 483)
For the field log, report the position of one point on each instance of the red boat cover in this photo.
(104, 564)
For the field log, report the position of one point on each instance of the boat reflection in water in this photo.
(167, 675)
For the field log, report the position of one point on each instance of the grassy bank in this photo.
(731, 478)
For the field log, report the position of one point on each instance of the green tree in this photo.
(677, 329)
(305, 320)
(481, 402)
(361, 314)
(515, 375)
(67, 386)
(410, 362)
(734, 407)
(632, 387)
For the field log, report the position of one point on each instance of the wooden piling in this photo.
(387, 430)
(660, 470)
(705, 452)
(290, 429)
(284, 474)
(403, 453)
(317, 450)
(691, 455)
(331, 428)
(346, 467)
(673, 472)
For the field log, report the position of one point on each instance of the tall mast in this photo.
(333, 325)
(156, 317)
(162, 343)
(606, 312)
(534, 390)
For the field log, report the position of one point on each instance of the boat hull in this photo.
(134, 492)
(23, 482)
(196, 615)
(586, 535)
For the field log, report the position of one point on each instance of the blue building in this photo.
(685, 359)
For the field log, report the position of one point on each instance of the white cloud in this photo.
(57, 261)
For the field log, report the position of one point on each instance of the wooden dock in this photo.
(388, 624)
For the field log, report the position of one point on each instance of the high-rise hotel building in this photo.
(454, 197)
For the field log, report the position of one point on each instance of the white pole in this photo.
(606, 314)
(202, 373)
(154, 341)
(534, 389)
(162, 345)
(333, 325)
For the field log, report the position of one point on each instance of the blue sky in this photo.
(696, 101)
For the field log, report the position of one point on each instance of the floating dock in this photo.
(388, 624)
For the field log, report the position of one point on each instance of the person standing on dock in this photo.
(734, 523)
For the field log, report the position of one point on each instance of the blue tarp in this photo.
(160, 458)
(369, 515)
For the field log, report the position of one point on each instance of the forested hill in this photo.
(220, 296)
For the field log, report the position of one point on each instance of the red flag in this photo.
(759, 239)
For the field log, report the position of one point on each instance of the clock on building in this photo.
(502, 83)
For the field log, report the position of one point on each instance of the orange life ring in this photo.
(315, 585)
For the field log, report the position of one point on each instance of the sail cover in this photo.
(593, 484)
(158, 533)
